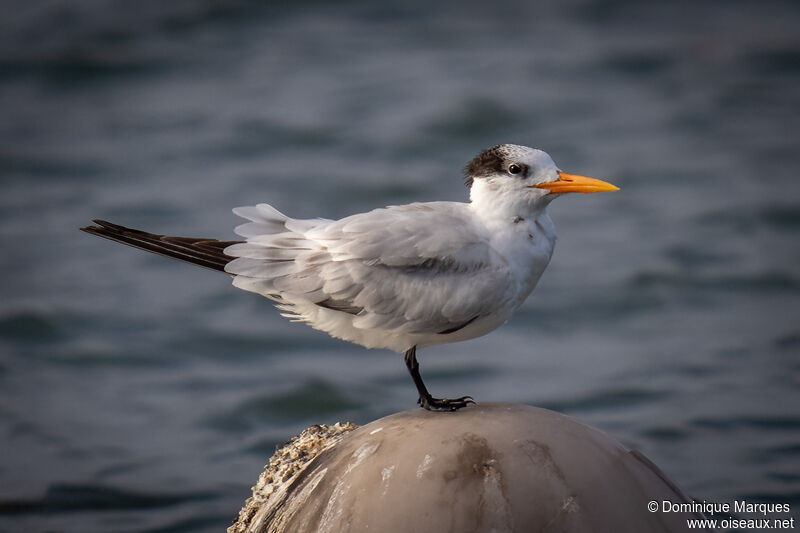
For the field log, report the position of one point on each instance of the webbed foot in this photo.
(430, 403)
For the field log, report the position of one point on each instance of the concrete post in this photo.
(493, 467)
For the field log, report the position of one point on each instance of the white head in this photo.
(513, 180)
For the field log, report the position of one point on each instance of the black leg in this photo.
(426, 401)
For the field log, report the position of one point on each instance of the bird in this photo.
(402, 277)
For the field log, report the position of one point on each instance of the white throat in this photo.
(495, 203)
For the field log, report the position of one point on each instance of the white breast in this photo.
(526, 246)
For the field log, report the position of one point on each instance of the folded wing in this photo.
(421, 269)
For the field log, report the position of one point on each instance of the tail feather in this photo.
(208, 253)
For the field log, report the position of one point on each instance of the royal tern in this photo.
(400, 277)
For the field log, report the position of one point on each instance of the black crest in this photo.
(486, 163)
(495, 160)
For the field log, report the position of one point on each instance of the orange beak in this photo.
(574, 183)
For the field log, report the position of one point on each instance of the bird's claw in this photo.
(445, 404)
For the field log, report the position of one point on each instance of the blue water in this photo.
(143, 395)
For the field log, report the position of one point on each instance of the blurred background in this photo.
(138, 394)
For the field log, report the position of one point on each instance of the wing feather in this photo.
(417, 269)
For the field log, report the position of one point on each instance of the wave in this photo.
(61, 498)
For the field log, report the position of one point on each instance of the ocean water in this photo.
(138, 394)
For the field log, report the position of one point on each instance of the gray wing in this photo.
(419, 268)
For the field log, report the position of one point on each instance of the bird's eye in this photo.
(514, 168)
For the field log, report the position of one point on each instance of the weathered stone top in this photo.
(490, 467)
(285, 463)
